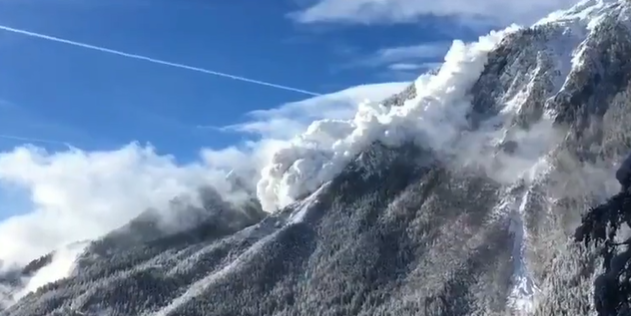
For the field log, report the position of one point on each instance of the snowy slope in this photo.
(456, 197)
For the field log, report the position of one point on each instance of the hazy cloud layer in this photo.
(407, 11)
(74, 195)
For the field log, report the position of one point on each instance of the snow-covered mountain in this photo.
(458, 196)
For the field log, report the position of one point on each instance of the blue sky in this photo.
(98, 100)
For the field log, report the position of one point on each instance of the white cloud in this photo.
(77, 195)
(407, 66)
(293, 118)
(62, 264)
(405, 62)
(429, 50)
(20, 138)
(406, 11)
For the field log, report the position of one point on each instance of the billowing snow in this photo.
(435, 117)
(62, 264)
(432, 118)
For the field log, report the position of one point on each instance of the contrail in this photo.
(156, 61)
(35, 140)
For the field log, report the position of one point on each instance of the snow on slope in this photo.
(586, 14)
(61, 266)
(87, 194)
(569, 51)
(433, 117)
(198, 287)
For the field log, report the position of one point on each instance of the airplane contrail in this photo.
(156, 61)
(35, 140)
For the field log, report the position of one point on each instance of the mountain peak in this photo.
(589, 13)
(455, 197)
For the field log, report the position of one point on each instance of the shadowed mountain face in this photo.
(601, 229)
(408, 230)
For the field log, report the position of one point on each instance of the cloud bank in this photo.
(406, 11)
(293, 118)
(405, 61)
(75, 195)
(429, 50)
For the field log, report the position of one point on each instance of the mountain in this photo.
(461, 195)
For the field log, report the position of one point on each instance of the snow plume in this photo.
(62, 264)
(62, 197)
(509, 153)
(293, 118)
(80, 195)
(433, 118)
(5, 296)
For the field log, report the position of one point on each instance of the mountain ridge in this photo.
(479, 222)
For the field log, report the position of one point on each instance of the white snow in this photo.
(62, 264)
(584, 17)
(584, 12)
(522, 298)
(433, 118)
(305, 205)
(522, 295)
(200, 286)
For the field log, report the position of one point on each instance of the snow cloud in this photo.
(434, 118)
(408, 11)
(77, 195)
(293, 118)
(430, 50)
(74, 195)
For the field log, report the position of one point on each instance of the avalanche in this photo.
(432, 118)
